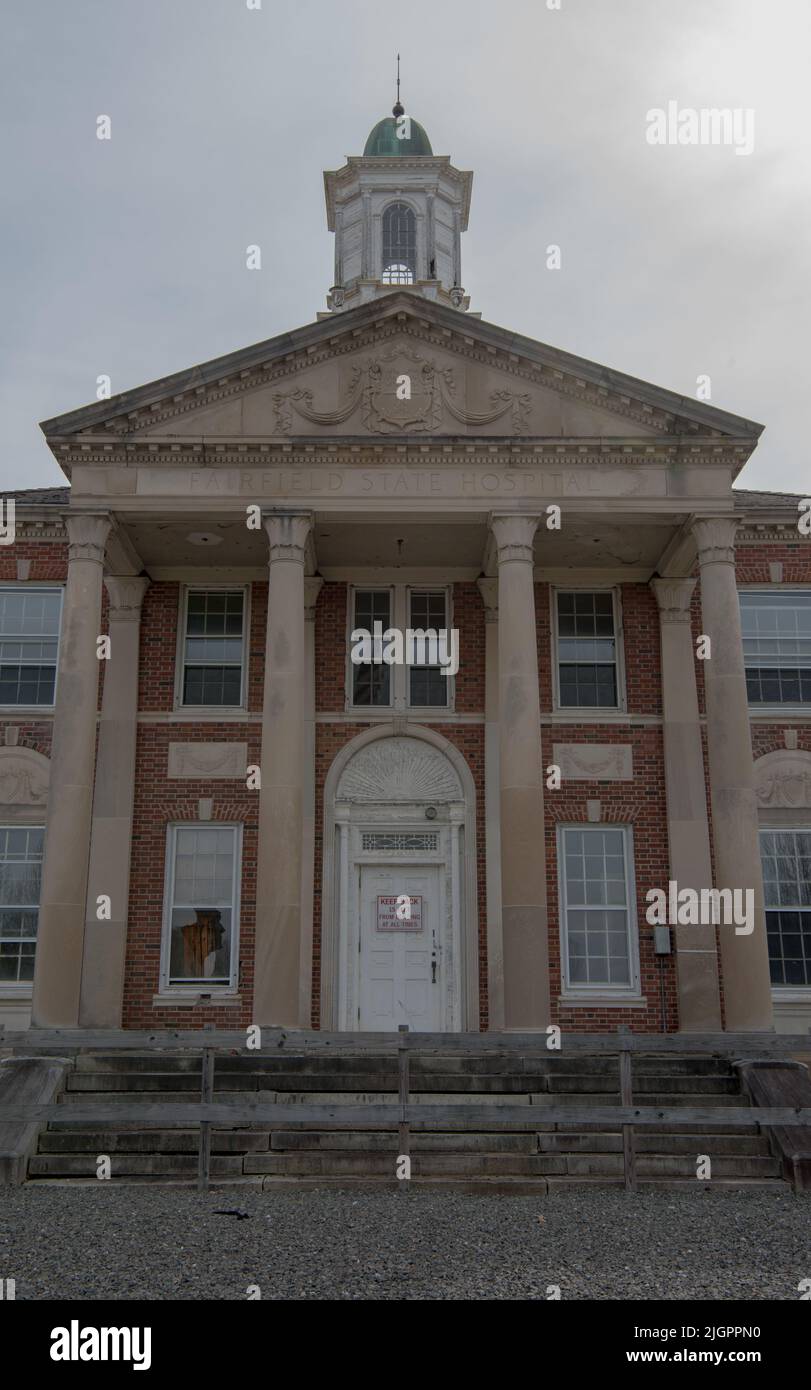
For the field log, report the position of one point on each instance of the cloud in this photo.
(126, 257)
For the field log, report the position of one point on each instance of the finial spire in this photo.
(398, 109)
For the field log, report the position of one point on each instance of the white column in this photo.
(744, 959)
(312, 588)
(105, 941)
(278, 875)
(58, 971)
(523, 857)
(488, 588)
(688, 829)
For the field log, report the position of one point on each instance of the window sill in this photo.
(791, 994)
(604, 1001)
(186, 999)
(16, 711)
(191, 710)
(772, 712)
(9, 991)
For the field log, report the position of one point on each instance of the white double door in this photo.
(400, 949)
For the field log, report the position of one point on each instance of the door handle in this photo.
(433, 970)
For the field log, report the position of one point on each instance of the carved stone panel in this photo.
(402, 390)
(594, 762)
(24, 777)
(207, 760)
(784, 779)
(399, 770)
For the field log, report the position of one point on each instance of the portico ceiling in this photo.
(450, 546)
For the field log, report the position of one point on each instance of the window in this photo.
(29, 639)
(418, 681)
(786, 859)
(597, 917)
(587, 650)
(20, 872)
(213, 647)
(371, 684)
(202, 905)
(399, 245)
(427, 686)
(776, 627)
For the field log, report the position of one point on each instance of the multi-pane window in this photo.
(587, 650)
(595, 907)
(776, 627)
(427, 684)
(29, 638)
(202, 904)
(371, 683)
(213, 647)
(20, 871)
(399, 245)
(786, 859)
(406, 670)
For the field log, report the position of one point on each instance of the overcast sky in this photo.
(127, 256)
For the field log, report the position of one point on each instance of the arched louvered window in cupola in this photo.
(399, 245)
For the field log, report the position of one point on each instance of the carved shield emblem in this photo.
(401, 395)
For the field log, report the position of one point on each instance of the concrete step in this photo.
(317, 1064)
(665, 1142)
(336, 1164)
(227, 1078)
(136, 1141)
(673, 1165)
(129, 1165)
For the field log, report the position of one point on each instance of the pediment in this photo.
(406, 368)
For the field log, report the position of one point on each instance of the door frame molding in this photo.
(337, 867)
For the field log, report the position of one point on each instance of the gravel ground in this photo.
(162, 1243)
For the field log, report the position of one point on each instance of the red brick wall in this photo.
(49, 564)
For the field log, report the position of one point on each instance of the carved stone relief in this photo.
(783, 779)
(373, 393)
(399, 770)
(24, 777)
(594, 762)
(207, 760)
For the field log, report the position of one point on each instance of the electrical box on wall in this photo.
(661, 941)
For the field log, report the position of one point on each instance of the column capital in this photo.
(87, 536)
(126, 594)
(513, 533)
(715, 539)
(288, 534)
(673, 597)
(488, 588)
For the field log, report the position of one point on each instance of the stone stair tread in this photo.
(500, 1140)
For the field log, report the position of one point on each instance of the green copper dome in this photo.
(383, 141)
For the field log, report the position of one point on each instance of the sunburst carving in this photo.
(399, 770)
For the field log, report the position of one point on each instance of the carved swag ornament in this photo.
(373, 392)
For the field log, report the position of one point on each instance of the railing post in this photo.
(404, 1128)
(206, 1096)
(627, 1099)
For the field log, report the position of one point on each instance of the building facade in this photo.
(211, 813)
